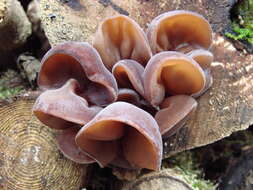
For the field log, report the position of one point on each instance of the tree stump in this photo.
(227, 107)
(29, 157)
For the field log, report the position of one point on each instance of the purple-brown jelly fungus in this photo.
(179, 30)
(115, 101)
(120, 37)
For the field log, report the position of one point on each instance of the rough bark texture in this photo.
(166, 179)
(29, 157)
(226, 108)
(14, 25)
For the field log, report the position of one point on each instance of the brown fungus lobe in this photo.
(122, 126)
(129, 95)
(171, 73)
(128, 74)
(204, 58)
(80, 61)
(173, 28)
(63, 107)
(120, 37)
(175, 111)
(67, 144)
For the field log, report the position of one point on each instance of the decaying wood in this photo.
(29, 157)
(226, 108)
(166, 179)
(29, 67)
(14, 25)
(38, 32)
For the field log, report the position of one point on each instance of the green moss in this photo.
(241, 33)
(10, 84)
(187, 164)
(5, 92)
(242, 22)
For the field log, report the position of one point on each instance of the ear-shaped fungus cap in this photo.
(186, 48)
(120, 37)
(67, 144)
(62, 108)
(175, 110)
(173, 73)
(128, 74)
(129, 95)
(80, 61)
(204, 58)
(122, 127)
(173, 28)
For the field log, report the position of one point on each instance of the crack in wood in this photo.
(117, 8)
(74, 4)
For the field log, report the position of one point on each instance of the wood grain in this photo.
(29, 157)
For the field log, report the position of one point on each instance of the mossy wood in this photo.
(29, 157)
(227, 107)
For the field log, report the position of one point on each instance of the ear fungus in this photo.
(80, 90)
(175, 111)
(204, 58)
(67, 144)
(129, 95)
(186, 48)
(128, 74)
(171, 73)
(80, 61)
(135, 133)
(120, 37)
(62, 108)
(169, 30)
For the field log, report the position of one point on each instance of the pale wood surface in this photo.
(29, 157)
(169, 179)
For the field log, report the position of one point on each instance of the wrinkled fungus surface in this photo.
(116, 100)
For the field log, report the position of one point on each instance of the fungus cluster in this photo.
(117, 99)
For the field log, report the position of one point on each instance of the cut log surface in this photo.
(77, 20)
(166, 179)
(29, 157)
(227, 107)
